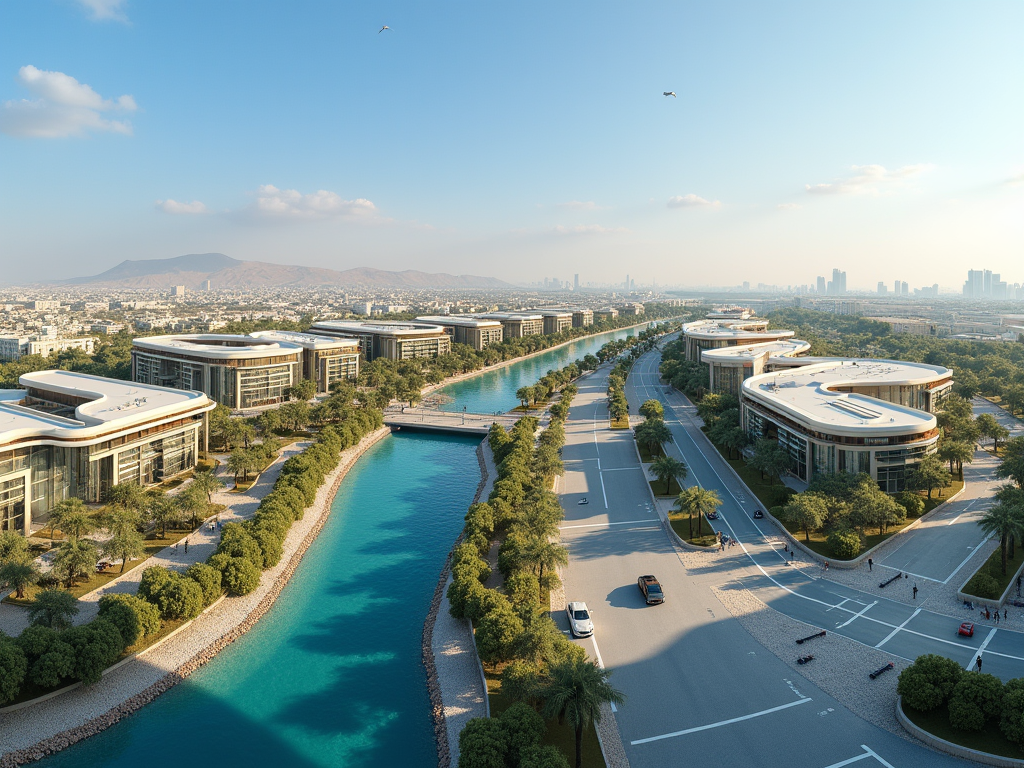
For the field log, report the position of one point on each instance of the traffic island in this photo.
(988, 746)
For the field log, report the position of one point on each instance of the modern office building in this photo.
(71, 434)
(243, 372)
(729, 367)
(606, 314)
(633, 309)
(581, 318)
(713, 334)
(16, 347)
(516, 325)
(555, 320)
(468, 329)
(393, 341)
(839, 415)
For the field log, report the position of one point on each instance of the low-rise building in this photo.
(16, 347)
(606, 314)
(516, 325)
(633, 309)
(71, 434)
(581, 318)
(555, 320)
(839, 415)
(915, 326)
(325, 359)
(393, 341)
(701, 335)
(465, 329)
(729, 367)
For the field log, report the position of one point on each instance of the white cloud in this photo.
(579, 205)
(789, 206)
(588, 229)
(272, 202)
(64, 107)
(690, 201)
(869, 180)
(102, 10)
(173, 206)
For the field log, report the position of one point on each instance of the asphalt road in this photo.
(699, 688)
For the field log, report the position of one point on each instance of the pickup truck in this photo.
(650, 587)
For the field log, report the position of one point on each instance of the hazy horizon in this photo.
(517, 142)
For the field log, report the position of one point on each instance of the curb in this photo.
(941, 745)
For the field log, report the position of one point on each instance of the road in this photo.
(696, 683)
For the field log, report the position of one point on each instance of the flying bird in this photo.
(666, 93)
(389, 28)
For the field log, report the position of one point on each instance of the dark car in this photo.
(758, 514)
(651, 589)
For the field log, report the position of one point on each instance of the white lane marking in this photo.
(624, 469)
(600, 476)
(875, 755)
(603, 525)
(857, 615)
(852, 760)
(600, 663)
(719, 724)
(981, 650)
(973, 552)
(892, 634)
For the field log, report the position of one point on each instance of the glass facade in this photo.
(264, 386)
(12, 504)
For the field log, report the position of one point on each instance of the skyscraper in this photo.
(904, 289)
(576, 283)
(821, 284)
(896, 287)
(838, 282)
(881, 288)
(627, 283)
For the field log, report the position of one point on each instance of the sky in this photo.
(518, 140)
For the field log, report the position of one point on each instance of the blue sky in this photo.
(519, 140)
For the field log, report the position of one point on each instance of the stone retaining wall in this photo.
(949, 747)
(111, 717)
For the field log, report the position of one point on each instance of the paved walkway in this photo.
(202, 543)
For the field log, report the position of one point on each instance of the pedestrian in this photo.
(186, 546)
(1004, 614)
(978, 662)
(915, 591)
(1018, 586)
(871, 564)
(721, 543)
(175, 548)
(785, 547)
(997, 615)
(791, 554)
(826, 565)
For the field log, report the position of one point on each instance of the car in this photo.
(712, 515)
(580, 623)
(651, 589)
(758, 514)
(582, 501)
(966, 629)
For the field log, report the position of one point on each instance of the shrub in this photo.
(13, 666)
(523, 590)
(97, 645)
(239, 575)
(236, 541)
(497, 632)
(976, 698)
(523, 728)
(180, 598)
(154, 579)
(844, 545)
(520, 681)
(1011, 721)
(542, 756)
(930, 681)
(911, 502)
(35, 640)
(133, 616)
(459, 591)
(983, 585)
(53, 666)
(482, 744)
(270, 542)
(208, 579)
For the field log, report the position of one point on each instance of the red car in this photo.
(966, 629)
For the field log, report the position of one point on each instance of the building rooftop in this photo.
(730, 329)
(218, 346)
(747, 352)
(806, 395)
(111, 405)
(467, 321)
(307, 340)
(511, 316)
(381, 328)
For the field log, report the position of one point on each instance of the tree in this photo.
(574, 694)
(1012, 465)
(75, 520)
(976, 698)
(957, 453)
(75, 558)
(929, 475)
(1006, 521)
(192, 503)
(769, 459)
(18, 575)
(697, 501)
(807, 511)
(482, 744)
(652, 409)
(498, 631)
(70, 506)
(134, 617)
(126, 497)
(295, 413)
(667, 469)
(241, 462)
(124, 545)
(304, 389)
(988, 426)
(653, 433)
(929, 681)
(208, 483)
(1013, 397)
(1012, 720)
(523, 729)
(53, 608)
(162, 510)
(13, 666)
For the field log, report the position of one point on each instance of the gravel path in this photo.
(31, 733)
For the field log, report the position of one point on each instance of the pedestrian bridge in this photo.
(454, 422)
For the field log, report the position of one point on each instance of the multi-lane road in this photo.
(698, 686)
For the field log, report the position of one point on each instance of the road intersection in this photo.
(697, 683)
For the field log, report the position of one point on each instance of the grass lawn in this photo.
(622, 423)
(935, 500)
(560, 736)
(681, 525)
(993, 567)
(647, 455)
(659, 487)
(990, 739)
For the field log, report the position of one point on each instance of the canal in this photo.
(331, 676)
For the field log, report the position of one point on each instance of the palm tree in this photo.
(18, 575)
(667, 469)
(1006, 521)
(574, 693)
(697, 501)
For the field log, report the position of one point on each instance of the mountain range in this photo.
(194, 269)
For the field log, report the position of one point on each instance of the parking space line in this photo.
(973, 553)
(981, 650)
(858, 614)
(719, 724)
(850, 761)
(875, 755)
(892, 634)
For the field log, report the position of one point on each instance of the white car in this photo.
(583, 501)
(580, 623)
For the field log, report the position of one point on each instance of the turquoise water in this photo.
(331, 676)
(495, 391)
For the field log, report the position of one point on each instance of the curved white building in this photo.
(391, 340)
(701, 335)
(729, 367)
(873, 416)
(243, 371)
(71, 434)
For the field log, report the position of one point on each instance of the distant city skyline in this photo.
(517, 141)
